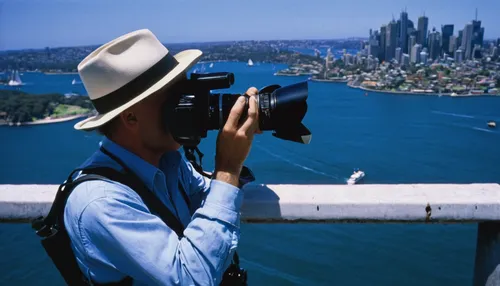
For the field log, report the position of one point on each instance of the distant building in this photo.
(446, 33)
(391, 40)
(405, 61)
(494, 52)
(498, 42)
(459, 56)
(329, 58)
(434, 44)
(423, 23)
(459, 39)
(382, 45)
(412, 40)
(403, 32)
(477, 33)
(398, 55)
(453, 46)
(359, 58)
(415, 53)
(373, 45)
(467, 41)
(423, 58)
(348, 59)
(476, 52)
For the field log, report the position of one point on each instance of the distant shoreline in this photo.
(56, 73)
(55, 120)
(331, 80)
(47, 121)
(419, 93)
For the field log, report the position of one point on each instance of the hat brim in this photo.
(186, 60)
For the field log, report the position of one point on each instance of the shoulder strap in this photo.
(150, 200)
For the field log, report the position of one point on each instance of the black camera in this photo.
(195, 110)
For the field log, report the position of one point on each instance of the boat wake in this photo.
(474, 128)
(482, 129)
(273, 272)
(453, 114)
(296, 164)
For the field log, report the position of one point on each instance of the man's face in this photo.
(150, 126)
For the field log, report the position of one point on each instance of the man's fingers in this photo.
(236, 112)
(233, 120)
(254, 93)
(251, 123)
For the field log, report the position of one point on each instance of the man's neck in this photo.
(140, 150)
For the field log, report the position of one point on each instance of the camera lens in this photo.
(278, 107)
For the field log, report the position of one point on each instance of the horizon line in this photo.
(206, 42)
(193, 42)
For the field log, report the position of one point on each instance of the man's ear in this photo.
(129, 119)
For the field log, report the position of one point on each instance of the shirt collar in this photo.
(144, 170)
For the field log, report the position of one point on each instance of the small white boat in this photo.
(15, 80)
(250, 62)
(492, 124)
(356, 176)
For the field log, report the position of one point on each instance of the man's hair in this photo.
(109, 127)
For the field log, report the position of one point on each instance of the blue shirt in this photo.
(114, 235)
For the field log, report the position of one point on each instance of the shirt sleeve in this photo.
(197, 184)
(120, 232)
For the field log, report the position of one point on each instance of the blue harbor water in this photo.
(393, 138)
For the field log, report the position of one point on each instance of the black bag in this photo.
(57, 244)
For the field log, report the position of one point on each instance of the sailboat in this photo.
(250, 63)
(75, 82)
(15, 80)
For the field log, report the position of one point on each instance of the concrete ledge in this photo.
(317, 203)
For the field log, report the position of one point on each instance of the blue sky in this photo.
(54, 23)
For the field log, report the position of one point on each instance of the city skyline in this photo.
(40, 24)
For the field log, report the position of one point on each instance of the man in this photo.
(113, 234)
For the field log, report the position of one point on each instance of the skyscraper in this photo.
(373, 45)
(453, 46)
(412, 40)
(476, 52)
(403, 30)
(434, 44)
(459, 56)
(423, 57)
(477, 33)
(446, 33)
(423, 23)
(415, 53)
(391, 40)
(466, 45)
(405, 60)
(398, 55)
(382, 45)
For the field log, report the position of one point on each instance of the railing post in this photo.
(487, 264)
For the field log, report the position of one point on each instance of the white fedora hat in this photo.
(126, 70)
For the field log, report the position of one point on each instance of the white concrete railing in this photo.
(317, 203)
(439, 203)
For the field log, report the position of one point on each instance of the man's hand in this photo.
(235, 139)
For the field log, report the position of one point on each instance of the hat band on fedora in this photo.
(136, 86)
